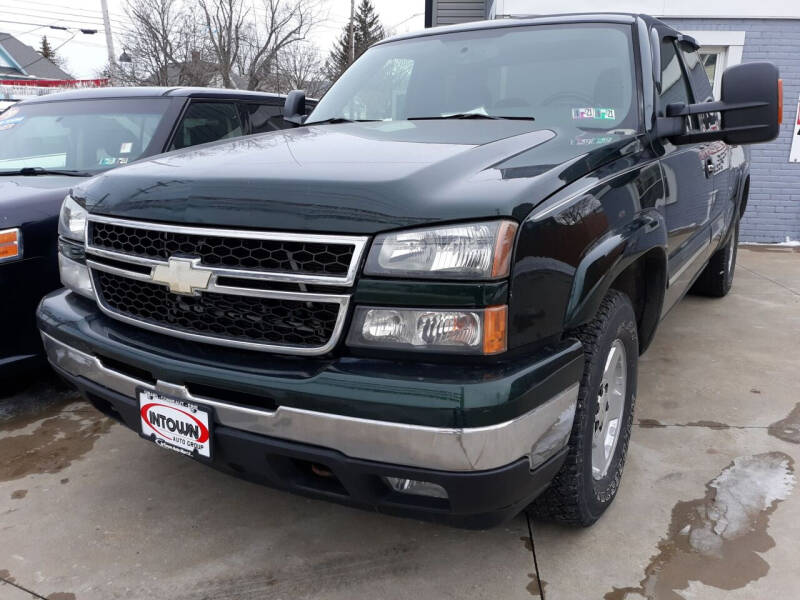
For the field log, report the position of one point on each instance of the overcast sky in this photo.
(86, 54)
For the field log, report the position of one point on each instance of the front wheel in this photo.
(590, 477)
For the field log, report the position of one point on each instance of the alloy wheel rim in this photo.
(610, 406)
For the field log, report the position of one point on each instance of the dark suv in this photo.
(50, 143)
(430, 300)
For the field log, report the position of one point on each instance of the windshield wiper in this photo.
(32, 171)
(473, 116)
(335, 120)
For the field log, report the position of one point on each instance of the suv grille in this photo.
(262, 320)
(268, 291)
(222, 251)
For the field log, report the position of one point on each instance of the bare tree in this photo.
(236, 43)
(226, 21)
(282, 24)
(165, 44)
(302, 68)
(196, 57)
(149, 42)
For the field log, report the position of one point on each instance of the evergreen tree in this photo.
(368, 27)
(46, 50)
(367, 31)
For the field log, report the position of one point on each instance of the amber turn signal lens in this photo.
(9, 243)
(495, 319)
(780, 101)
(504, 247)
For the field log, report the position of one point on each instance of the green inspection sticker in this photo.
(604, 114)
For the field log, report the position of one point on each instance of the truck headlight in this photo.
(72, 220)
(476, 331)
(71, 254)
(75, 275)
(463, 251)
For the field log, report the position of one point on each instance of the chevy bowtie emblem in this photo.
(182, 275)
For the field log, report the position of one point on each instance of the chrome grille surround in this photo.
(143, 269)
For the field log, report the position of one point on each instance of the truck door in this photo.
(689, 189)
(717, 154)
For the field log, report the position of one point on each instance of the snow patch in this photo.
(745, 489)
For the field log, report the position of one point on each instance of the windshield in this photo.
(78, 135)
(576, 76)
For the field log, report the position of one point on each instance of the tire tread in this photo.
(562, 501)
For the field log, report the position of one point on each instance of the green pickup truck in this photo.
(428, 300)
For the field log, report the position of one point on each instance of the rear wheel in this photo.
(717, 278)
(588, 481)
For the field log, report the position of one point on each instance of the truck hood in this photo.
(354, 177)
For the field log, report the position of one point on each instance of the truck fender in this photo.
(609, 257)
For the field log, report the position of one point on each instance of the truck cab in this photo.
(430, 299)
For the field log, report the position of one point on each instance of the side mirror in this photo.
(751, 108)
(757, 88)
(294, 109)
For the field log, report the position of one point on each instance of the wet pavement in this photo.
(709, 506)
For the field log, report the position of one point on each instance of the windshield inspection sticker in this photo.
(108, 161)
(122, 161)
(579, 114)
(9, 123)
(126, 148)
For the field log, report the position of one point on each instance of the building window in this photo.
(718, 51)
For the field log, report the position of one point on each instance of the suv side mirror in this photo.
(751, 108)
(294, 109)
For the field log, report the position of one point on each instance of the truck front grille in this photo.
(224, 316)
(223, 251)
(269, 291)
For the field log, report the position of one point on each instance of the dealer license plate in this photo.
(174, 424)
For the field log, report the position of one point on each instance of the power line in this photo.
(61, 17)
(27, 3)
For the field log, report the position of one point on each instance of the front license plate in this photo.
(174, 424)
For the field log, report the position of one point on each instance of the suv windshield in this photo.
(575, 76)
(78, 135)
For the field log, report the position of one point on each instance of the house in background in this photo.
(19, 61)
(24, 73)
(729, 33)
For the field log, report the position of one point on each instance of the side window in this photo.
(206, 122)
(674, 85)
(697, 73)
(265, 117)
(703, 91)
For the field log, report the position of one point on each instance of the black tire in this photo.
(575, 497)
(717, 278)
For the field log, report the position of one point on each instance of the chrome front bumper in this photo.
(537, 435)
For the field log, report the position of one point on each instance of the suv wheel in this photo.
(717, 278)
(588, 481)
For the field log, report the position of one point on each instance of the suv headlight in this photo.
(463, 251)
(72, 220)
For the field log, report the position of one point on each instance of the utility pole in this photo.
(112, 61)
(352, 31)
